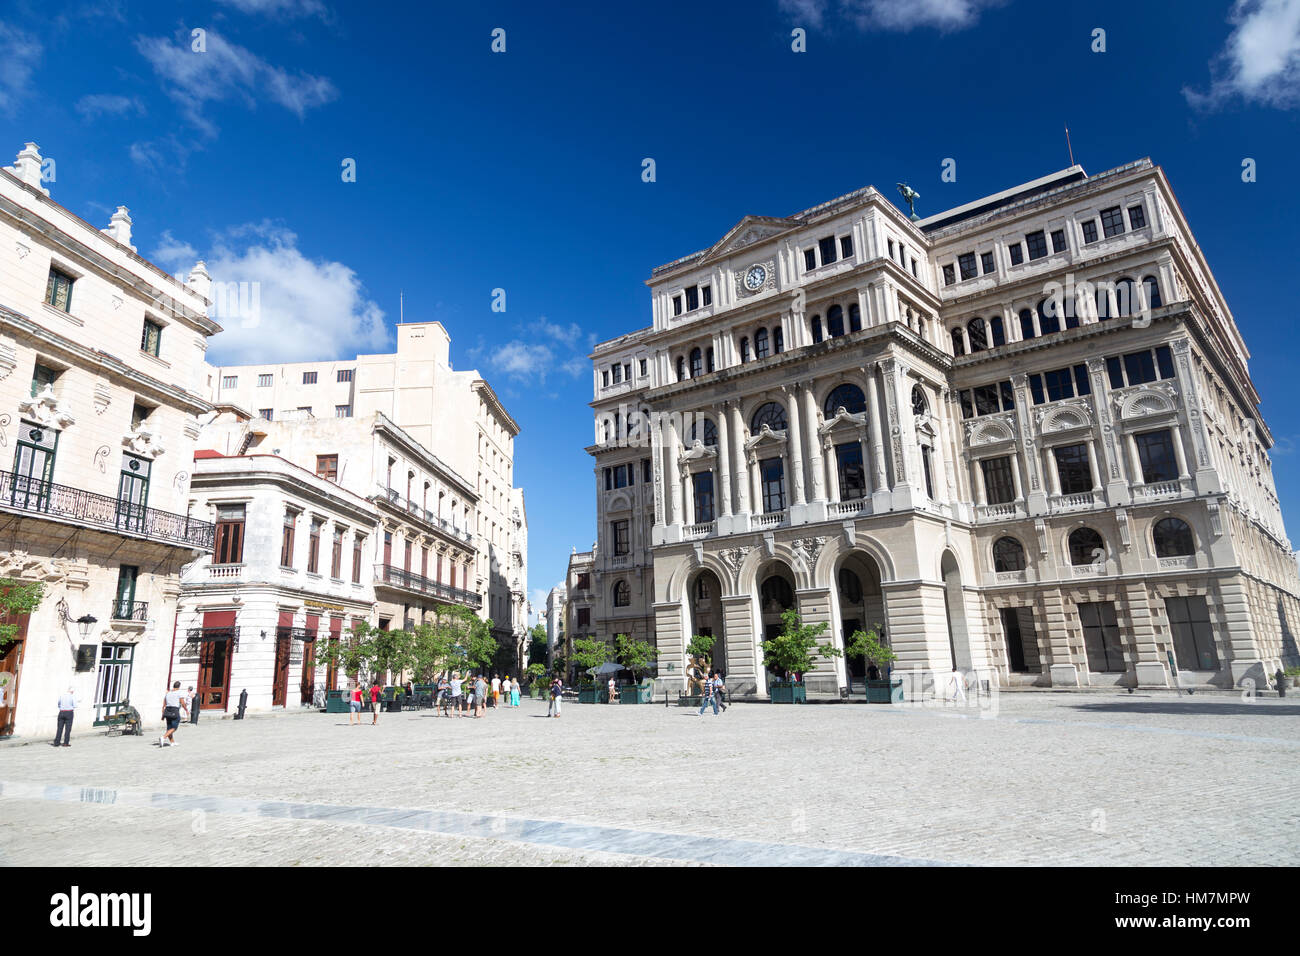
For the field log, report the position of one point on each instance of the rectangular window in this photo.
(336, 555)
(1101, 637)
(1072, 469)
(619, 532)
(584, 617)
(229, 539)
(827, 249)
(966, 263)
(1090, 231)
(286, 539)
(772, 472)
(1036, 244)
(999, 485)
(677, 305)
(1138, 368)
(151, 338)
(313, 546)
(345, 375)
(1137, 217)
(609, 479)
(645, 470)
(604, 378)
(846, 247)
(357, 543)
(1058, 240)
(617, 372)
(342, 411)
(706, 295)
(309, 378)
(1156, 454)
(1017, 254)
(266, 414)
(58, 290)
(327, 467)
(584, 582)
(643, 366)
(1112, 222)
(986, 263)
(703, 496)
(230, 381)
(853, 477)
(986, 400)
(949, 274)
(692, 298)
(1189, 623)
(264, 381)
(42, 375)
(620, 476)
(809, 259)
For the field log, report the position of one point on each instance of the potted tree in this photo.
(699, 654)
(536, 686)
(794, 651)
(866, 644)
(588, 653)
(636, 656)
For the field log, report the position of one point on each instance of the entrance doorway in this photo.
(954, 605)
(280, 676)
(862, 607)
(775, 597)
(705, 596)
(217, 639)
(1022, 640)
(11, 664)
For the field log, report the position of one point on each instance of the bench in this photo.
(125, 721)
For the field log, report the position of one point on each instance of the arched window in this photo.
(744, 349)
(1173, 538)
(817, 328)
(850, 587)
(622, 593)
(697, 363)
(835, 321)
(708, 434)
(1086, 547)
(958, 340)
(1049, 319)
(996, 332)
(848, 396)
(1008, 555)
(681, 368)
(919, 405)
(1152, 289)
(760, 344)
(778, 340)
(775, 594)
(979, 336)
(770, 414)
(1125, 297)
(1027, 330)
(855, 318)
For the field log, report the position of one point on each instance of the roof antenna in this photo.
(401, 307)
(1068, 146)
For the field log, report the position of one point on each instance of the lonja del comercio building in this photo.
(1020, 435)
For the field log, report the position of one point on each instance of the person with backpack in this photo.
(557, 695)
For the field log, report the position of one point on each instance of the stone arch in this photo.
(836, 547)
(704, 612)
(954, 601)
(677, 584)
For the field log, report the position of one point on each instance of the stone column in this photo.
(742, 479)
(815, 468)
(794, 444)
(1180, 456)
(673, 473)
(724, 461)
(657, 467)
(902, 431)
(879, 481)
(1092, 465)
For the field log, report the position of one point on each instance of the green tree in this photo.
(537, 643)
(469, 641)
(701, 645)
(588, 653)
(16, 599)
(390, 651)
(349, 654)
(635, 655)
(796, 649)
(866, 644)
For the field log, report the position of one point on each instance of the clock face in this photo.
(755, 278)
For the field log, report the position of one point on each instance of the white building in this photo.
(294, 570)
(1020, 435)
(100, 351)
(555, 618)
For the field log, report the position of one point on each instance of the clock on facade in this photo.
(755, 277)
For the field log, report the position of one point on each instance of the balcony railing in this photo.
(1078, 502)
(34, 496)
(1009, 509)
(124, 610)
(701, 530)
(772, 519)
(424, 514)
(397, 577)
(1162, 489)
(846, 509)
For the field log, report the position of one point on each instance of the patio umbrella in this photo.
(609, 667)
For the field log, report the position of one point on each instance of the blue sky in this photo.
(522, 170)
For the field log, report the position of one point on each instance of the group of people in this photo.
(714, 692)
(470, 695)
(175, 703)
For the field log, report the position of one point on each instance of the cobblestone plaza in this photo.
(1040, 779)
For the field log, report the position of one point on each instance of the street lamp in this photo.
(85, 623)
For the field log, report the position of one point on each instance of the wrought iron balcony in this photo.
(394, 498)
(34, 496)
(124, 610)
(397, 577)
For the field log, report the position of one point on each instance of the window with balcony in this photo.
(124, 606)
(58, 290)
(772, 474)
(286, 538)
(999, 483)
(620, 534)
(852, 474)
(1156, 455)
(1008, 555)
(703, 486)
(229, 536)
(313, 546)
(1072, 469)
(151, 338)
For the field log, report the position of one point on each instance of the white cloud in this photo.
(108, 104)
(519, 359)
(570, 334)
(226, 71)
(304, 308)
(895, 15)
(19, 53)
(279, 8)
(1260, 62)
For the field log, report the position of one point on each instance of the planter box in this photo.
(537, 692)
(593, 695)
(635, 693)
(885, 691)
(336, 702)
(786, 692)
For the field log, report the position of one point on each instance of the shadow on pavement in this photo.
(1187, 706)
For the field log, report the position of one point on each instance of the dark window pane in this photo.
(703, 497)
(978, 333)
(967, 410)
(692, 298)
(986, 262)
(1008, 396)
(966, 263)
(1049, 319)
(1081, 384)
(1165, 361)
(949, 275)
(846, 396)
(1084, 545)
(809, 260)
(846, 247)
(760, 344)
(835, 321)
(1139, 367)
(706, 294)
(1008, 555)
(1058, 240)
(1072, 469)
(1090, 231)
(1017, 255)
(1156, 453)
(827, 248)
(1036, 389)
(1115, 373)
(772, 473)
(1112, 222)
(1027, 324)
(1137, 217)
(852, 474)
(958, 341)
(1036, 244)
(986, 400)
(999, 485)
(1059, 383)
(996, 331)
(1173, 538)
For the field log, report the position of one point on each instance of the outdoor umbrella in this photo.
(609, 667)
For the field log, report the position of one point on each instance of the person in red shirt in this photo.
(374, 702)
(354, 707)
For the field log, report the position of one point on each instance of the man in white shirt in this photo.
(67, 706)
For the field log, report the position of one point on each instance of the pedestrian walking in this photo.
(709, 696)
(456, 690)
(505, 691)
(480, 696)
(721, 690)
(67, 707)
(173, 704)
(375, 691)
(514, 693)
(957, 686)
(612, 688)
(557, 694)
(443, 699)
(496, 690)
(354, 705)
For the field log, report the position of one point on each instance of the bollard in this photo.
(243, 703)
(1281, 682)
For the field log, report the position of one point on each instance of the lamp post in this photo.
(85, 623)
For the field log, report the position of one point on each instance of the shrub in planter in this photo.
(795, 650)
(866, 644)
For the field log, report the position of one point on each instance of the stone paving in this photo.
(1044, 779)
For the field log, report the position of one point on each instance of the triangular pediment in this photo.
(747, 232)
